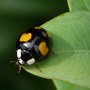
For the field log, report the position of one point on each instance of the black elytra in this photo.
(35, 43)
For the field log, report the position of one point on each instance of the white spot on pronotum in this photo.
(31, 61)
(19, 53)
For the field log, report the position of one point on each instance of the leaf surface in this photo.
(70, 33)
(76, 5)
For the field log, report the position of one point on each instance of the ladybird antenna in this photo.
(16, 62)
(12, 61)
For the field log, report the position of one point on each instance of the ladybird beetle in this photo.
(32, 46)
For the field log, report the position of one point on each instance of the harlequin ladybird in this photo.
(32, 46)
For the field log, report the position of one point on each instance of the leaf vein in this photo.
(85, 4)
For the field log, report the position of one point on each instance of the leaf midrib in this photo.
(73, 51)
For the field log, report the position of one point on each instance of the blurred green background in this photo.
(15, 17)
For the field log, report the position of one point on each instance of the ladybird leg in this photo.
(53, 53)
(20, 67)
(36, 66)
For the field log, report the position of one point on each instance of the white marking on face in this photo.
(20, 61)
(19, 53)
(31, 61)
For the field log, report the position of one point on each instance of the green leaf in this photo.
(71, 43)
(62, 85)
(76, 5)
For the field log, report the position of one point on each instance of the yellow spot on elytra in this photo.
(25, 37)
(43, 48)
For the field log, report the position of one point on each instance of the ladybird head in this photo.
(24, 57)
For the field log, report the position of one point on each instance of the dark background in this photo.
(15, 17)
